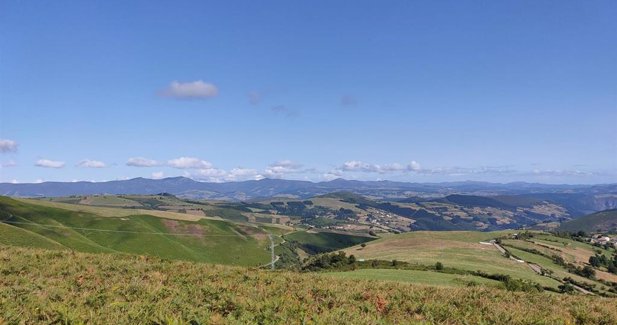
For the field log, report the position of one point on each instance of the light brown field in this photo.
(458, 249)
(117, 212)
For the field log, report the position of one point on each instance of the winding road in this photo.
(536, 268)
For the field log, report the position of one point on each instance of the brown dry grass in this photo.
(46, 287)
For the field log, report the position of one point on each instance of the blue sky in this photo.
(423, 91)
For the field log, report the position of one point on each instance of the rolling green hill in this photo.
(537, 257)
(25, 224)
(603, 221)
(456, 249)
(319, 242)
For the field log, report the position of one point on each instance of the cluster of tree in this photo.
(586, 271)
(338, 260)
(600, 260)
(580, 236)
(511, 284)
(566, 288)
(288, 256)
(524, 235)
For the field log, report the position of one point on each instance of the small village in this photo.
(603, 240)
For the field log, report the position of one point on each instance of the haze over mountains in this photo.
(246, 190)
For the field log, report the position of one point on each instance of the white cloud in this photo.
(158, 175)
(208, 174)
(461, 171)
(364, 167)
(220, 175)
(190, 90)
(142, 162)
(189, 163)
(87, 163)
(414, 165)
(46, 163)
(8, 145)
(239, 174)
(331, 175)
(9, 163)
(560, 172)
(283, 167)
(355, 165)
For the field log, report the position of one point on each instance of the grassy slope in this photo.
(11, 235)
(42, 286)
(603, 220)
(111, 211)
(413, 276)
(109, 200)
(458, 249)
(571, 251)
(205, 240)
(325, 241)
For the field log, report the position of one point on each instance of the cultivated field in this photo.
(457, 249)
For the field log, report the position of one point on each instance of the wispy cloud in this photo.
(561, 172)
(46, 163)
(158, 175)
(461, 171)
(189, 163)
(281, 168)
(218, 175)
(9, 163)
(360, 166)
(190, 90)
(238, 174)
(7, 145)
(142, 162)
(87, 163)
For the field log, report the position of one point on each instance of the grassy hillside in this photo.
(25, 224)
(457, 249)
(43, 286)
(604, 221)
(318, 242)
(109, 211)
(415, 276)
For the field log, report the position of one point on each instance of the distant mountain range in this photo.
(255, 189)
(187, 187)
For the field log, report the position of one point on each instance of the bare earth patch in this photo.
(176, 227)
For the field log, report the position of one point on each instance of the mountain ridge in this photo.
(268, 187)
